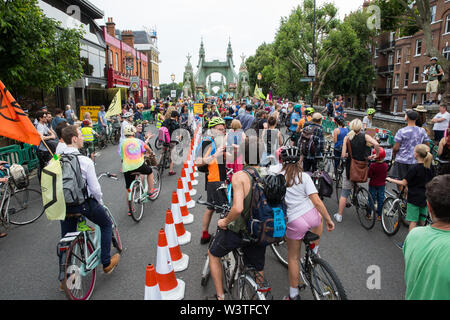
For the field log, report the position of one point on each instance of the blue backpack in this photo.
(267, 222)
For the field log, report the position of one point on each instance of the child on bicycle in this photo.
(89, 135)
(377, 185)
(416, 179)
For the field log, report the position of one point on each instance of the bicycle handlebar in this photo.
(108, 175)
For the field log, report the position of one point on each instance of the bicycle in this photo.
(240, 281)
(164, 162)
(79, 255)
(113, 135)
(315, 272)
(138, 195)
(19, 206)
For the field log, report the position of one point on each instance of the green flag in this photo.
(115, 107)
(258, 93)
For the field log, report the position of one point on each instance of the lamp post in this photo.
(313, 52)
(172, 77)
(259, 79)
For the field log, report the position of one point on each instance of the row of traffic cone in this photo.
(160, 281)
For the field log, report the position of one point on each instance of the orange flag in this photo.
(14, 123)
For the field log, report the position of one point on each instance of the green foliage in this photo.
(396, 15)
(34, 50)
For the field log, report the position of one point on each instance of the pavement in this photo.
(368, 263)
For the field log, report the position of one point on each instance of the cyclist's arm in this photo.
(403, 182)
(335, 135)
(91, 179)
(238, 201)
(318, 204)
(374, 143)
(344, 148)
(395, 149)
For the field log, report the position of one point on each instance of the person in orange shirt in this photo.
(301, 124)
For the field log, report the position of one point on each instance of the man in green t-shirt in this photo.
(434, 72)
(427, 249)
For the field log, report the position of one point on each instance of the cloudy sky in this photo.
(181, 24)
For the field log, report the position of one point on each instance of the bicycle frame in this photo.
(6, 201)
(145, 187)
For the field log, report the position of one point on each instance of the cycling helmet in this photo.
(274, 188)
(310, 110)
(215, 122)
(129, 130)
(382, 154)
(127, 115)
(290, 155)
(86, 123)
(371, 111)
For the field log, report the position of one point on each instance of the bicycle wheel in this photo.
(137, 201)
(325, 284)
(364, 209)
(116, 241)
(116, 138)
(158, 144)
(25, 206)
(78, 284)
(248, 289)
(157, 181)
(281, 252)
(390, 217)
(228, 263)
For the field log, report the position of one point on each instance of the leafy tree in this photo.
(35, 51)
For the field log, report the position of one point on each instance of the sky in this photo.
(181, 24)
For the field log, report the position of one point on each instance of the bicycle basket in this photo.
(19, 176)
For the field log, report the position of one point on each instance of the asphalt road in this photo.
(29, 265)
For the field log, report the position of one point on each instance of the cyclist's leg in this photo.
(97, 214)
(129, 178)
(347, 187)
(294, 252)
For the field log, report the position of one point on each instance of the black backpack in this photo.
(306, 142)
(438, 67)
(287, 122)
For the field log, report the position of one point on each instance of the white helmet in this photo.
(129, 131)
(127, 115)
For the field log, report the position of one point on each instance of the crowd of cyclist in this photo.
(233, 130)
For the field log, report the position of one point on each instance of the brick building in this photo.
(125, 63)
(400, 61)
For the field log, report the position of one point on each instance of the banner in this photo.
(115, 107)
(258, 93)
(14, 123)
(52, 191)
(93, 110)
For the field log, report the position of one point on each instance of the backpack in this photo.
(198, 153)
(287, 122)
(306, 142)
(437, 69)
(324, 185)
(267, 221)
(74, 185)
(19, 176)
(164, 135)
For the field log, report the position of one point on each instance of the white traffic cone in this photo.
(171, 288)
(180, 261)
(185, 197)
(187, 183)
(185, 215)
(184, 237)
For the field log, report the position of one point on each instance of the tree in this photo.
(35, 51)
(355, 74)
(294, 41)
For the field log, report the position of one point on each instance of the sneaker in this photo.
(379, 218)
(338, 217)
(205, 240)
(152, 194)
(113, 264)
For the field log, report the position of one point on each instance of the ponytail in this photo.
(427, 161)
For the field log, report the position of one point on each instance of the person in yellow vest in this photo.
(89, 136)
(160, 118)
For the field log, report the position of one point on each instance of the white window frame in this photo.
(447, 24)
(397, 81)
(399, 56)
(395, 105)
(417, 42)
(408, 56)
(433, 13)
(416, 75)
(406, 80)
(405, 104)
(424, 78)
(413, 98)
(448, 52)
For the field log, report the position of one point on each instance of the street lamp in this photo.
(172, 77)
(259, 79)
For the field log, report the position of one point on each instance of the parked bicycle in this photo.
(316, 273)
(79, 255)
(240, 281)
(20, 205)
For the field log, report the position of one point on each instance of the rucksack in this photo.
(267, 222)
(324, 185)
(164, 135)
(19, 176)
(287, 122)
(199, 153)
(306, 142)
(440, 77)
(74, 185)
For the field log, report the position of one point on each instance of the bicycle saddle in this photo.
(310, 237)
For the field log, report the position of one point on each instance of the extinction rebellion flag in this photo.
(14, 123)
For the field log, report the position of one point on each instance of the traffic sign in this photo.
(306, 79)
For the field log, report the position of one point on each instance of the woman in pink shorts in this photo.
(305, 211)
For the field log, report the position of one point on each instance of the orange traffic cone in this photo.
(184, 236)
(171, 288)
(186, 198)
(190, 172)
(187, 183)
(151, 284)
(180, 261)
(185, 215)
